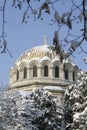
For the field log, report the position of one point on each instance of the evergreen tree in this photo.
(34, 111)
(75, 105)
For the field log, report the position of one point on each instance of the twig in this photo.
(83, 50)
(3, 24)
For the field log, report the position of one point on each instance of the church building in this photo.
(41, 67)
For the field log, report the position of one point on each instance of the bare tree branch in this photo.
(85, 19)
(66, 19)
(83, 50)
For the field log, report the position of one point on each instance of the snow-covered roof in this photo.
(43, 52)
(24, 93)
(36, 52)
(54, 88)
(45, 58)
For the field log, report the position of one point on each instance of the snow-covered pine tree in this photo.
(48, 116)
(75, 104)
(20, 110)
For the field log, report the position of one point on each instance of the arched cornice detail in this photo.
(56, 63)
(69, 65)
(76, 69)
(34, 62)
(15, 68)
(23, 65)
(46, 62)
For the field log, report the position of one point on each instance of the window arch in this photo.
(25, 72)
(45, 71)
(34, 71)
(17, 75)
(56, 71)
(66, 73)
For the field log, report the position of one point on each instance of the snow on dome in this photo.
(37, 52)
(43, 52)
(34, 59)
(45, 58)
(57, 58)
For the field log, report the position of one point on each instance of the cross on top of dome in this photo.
(45, 39)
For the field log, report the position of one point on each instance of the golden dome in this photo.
(38, 52)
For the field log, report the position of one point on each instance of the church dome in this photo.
(41, 67)
(39, 53)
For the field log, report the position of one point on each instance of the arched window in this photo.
(73, 75)
(17, 75)
(56, 71)
(35, 71)
(45, 71)
(25, 72)
(66, 73)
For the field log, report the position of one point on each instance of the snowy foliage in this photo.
(34, 111)
(20, 110)
(75, 104)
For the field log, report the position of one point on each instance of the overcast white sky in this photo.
(23, 37)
